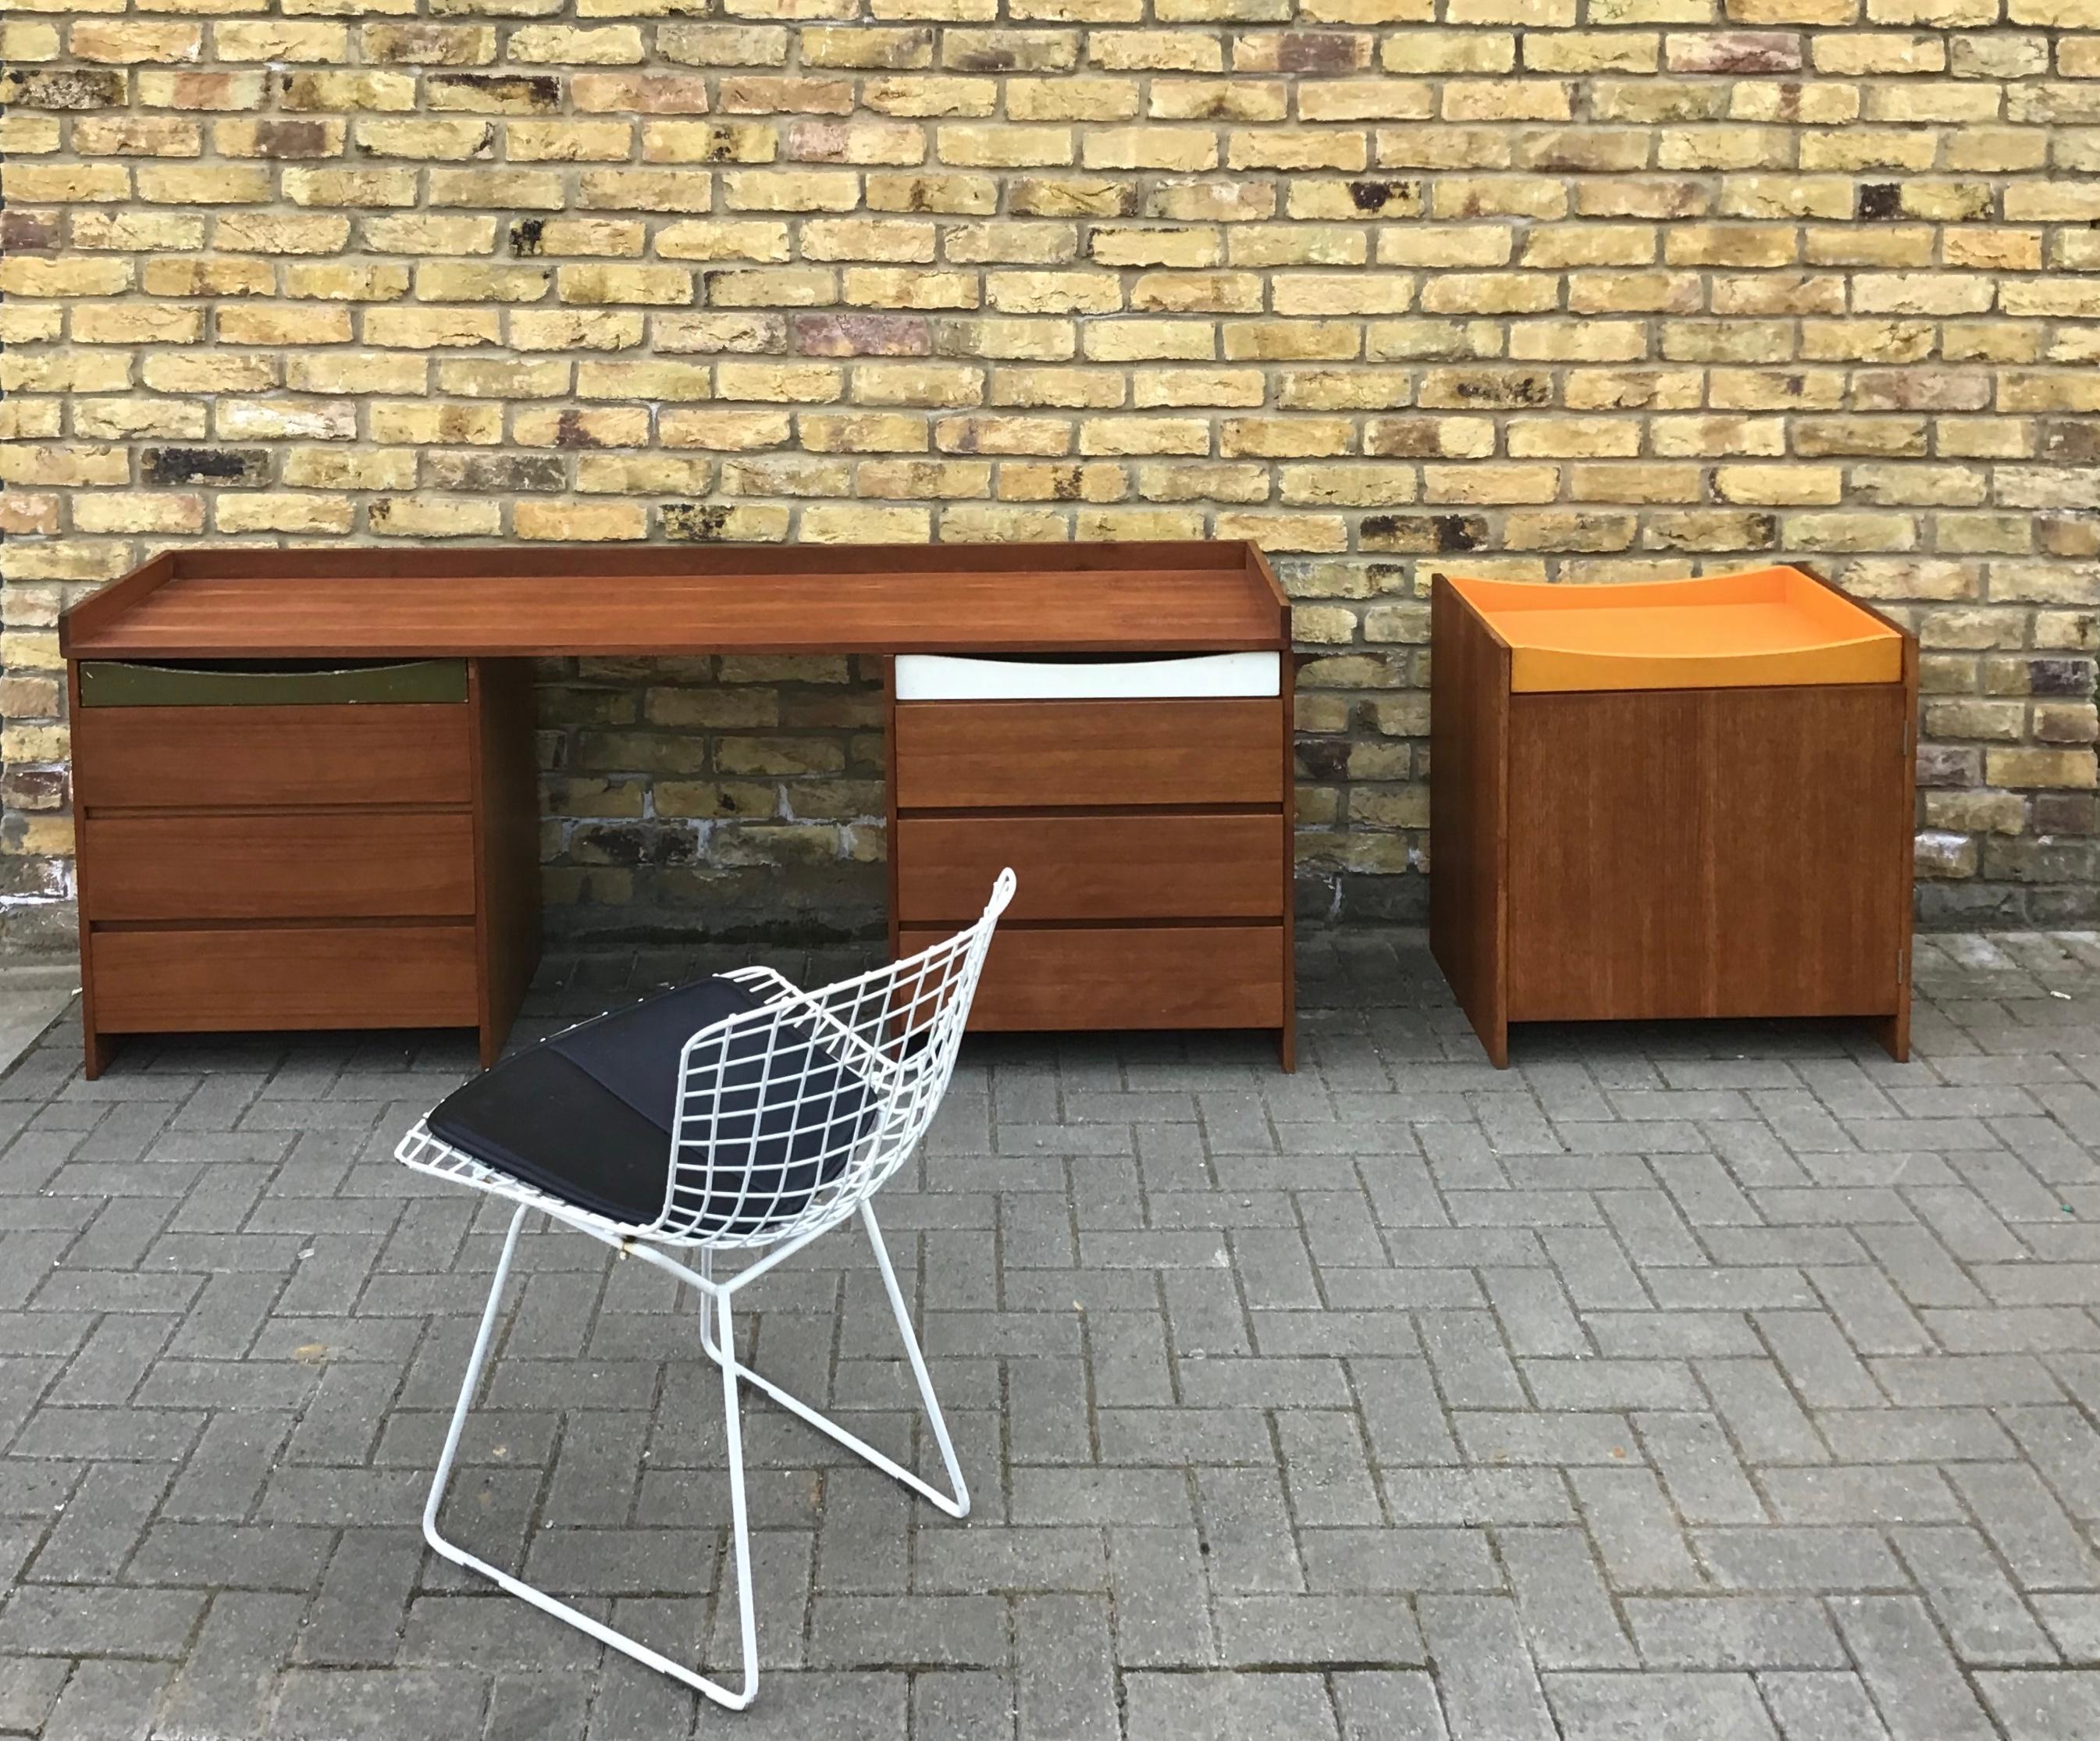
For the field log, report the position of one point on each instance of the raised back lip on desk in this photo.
(625, 600)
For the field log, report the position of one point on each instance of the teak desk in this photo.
(307, 794)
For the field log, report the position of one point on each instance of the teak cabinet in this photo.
(280, 845)
(1634, 816)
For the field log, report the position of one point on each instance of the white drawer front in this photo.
(942, 677)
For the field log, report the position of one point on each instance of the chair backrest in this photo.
(790, 1115)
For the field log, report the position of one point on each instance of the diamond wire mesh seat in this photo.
(770, 1125)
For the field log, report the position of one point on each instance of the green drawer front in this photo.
(240, 683)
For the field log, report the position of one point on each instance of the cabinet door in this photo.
(1809, 804)
(1608, 855)
(1707, 852)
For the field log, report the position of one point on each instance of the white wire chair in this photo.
(788, 1117)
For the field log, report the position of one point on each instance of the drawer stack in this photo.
(302, 847)
(1144, 806)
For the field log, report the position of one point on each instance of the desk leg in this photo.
(1893, 1030)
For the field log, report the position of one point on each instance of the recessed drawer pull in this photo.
(942, 677)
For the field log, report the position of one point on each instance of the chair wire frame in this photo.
(862, 1065)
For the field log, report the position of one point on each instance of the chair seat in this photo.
(588, 1116)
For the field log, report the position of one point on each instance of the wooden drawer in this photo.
(944, 677)
(1047, 754)
(353, 864)
(233, 978)
(1132, 976)
(224, 758)
(249, 683)
(1159, 866)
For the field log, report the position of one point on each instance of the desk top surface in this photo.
(497, 602)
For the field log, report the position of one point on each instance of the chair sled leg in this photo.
(956, 1501)
(735, 1700)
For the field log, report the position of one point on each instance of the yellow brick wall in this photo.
(1577, 288)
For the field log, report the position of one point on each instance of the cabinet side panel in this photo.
(506, 788)
(1469, 715)
(98, 1048)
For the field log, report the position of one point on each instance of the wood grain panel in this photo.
(1705, 852)
(1610, 861)
(585, 600)
(238, 978)
(1808, 805)
(1040, 754)
(1469, 813)
(319, 865)
(224, 758)
(1090, 867)
(1126, 976)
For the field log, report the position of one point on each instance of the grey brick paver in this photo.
(1914, 1678)
(1816, 1706)
(1703, 1382)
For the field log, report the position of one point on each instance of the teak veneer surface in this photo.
(1706, 852)
(1189, 975)
(223, 757)
(1076, 866)
(1051, 754)
(290, 864)
(215, 980)
(588, 600)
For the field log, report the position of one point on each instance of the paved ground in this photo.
(1683, 1385)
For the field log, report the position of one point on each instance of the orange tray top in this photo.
(1772, 626)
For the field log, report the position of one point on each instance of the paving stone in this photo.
(1065, 1669)
(1637, 1536)
(962, 1704)
(1917, 1685)
(853, 1632)
(1227, 1707)
(2043, 1707)
(535, 1708)
(2040, 1545)
(384, 1704)
(1789, 1558)
(1389, 1707)
(1484, 1673)
(1386, 1561)
(1733, 1632)
(1822, 1707)
(1255, 1631)
(1162, 1608)
(1658, 1708)
(1567, 1614)
(2074, 1624)
(1973, 1600)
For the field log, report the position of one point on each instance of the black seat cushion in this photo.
(588, 1116)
